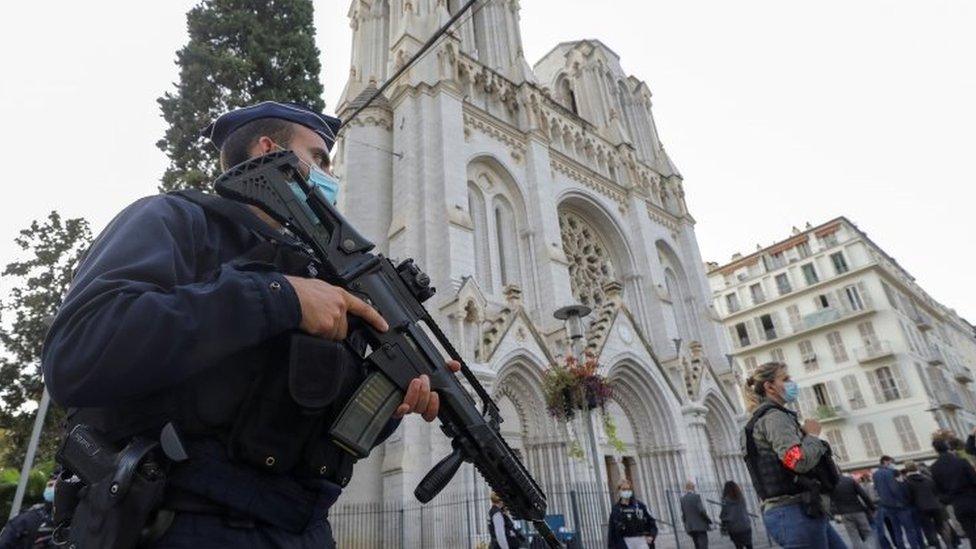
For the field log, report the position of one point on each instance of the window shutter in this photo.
(808, 402)
(896, 373)
(841, 301)
(875, 387)
(777, 324)
(734, 337)
(853, 391)
(758, 334)
(865, 296)
(795, 321)
(834, 395)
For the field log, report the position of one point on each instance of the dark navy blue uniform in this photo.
(163, 314)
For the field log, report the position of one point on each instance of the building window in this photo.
(796, 322)
(853, 297)
(751, 364)
(822, 301)
(821, 396)
(768, 329)
(836, 440)
(887, 387)
(870, 438)
(868, 337)
(840, 264)
(810, 274)
(889, 294)
(803, 249)
(743, 334)
(757, 294)
(853, 391)
(807, 355)
(837, 347)
(777, 355)
(777, 260)
(783, 284)
(909, 442)
(828, 240)
(732, 302)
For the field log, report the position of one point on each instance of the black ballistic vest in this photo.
(769, 476)
(270, 406)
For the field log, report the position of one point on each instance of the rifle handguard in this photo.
(439, 476)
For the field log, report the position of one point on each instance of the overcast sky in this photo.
(776, 113)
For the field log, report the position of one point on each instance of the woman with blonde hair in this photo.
(501, 528)
(790, 467)
(631, 524)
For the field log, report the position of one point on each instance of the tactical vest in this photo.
(633, 519)
(270, 406)
(769, 476)
(512, 535)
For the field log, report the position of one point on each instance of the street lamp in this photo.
(572, 316)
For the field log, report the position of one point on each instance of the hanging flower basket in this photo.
(574, 386)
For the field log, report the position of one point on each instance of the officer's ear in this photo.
(263, 146)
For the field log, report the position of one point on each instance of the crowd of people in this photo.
(913, 504)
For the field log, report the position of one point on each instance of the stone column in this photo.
(701, 467)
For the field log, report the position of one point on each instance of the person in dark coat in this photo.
(929, 511)
(180, 312)
(31, 528)
(696, 519)
(631, 525)
(894, 505)
(955, 483)
(734, 517)
(851, 502)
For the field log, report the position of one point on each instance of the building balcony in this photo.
(949, 400)
(829, 414)
(808, 323)
(935, 357)
(922, 322)
(963, 374)
(875, 351)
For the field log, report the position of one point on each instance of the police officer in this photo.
(203, 313)
(31, 529)
(501, 527)
(631, 525)
(788, 464)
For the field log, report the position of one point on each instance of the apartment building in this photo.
(880, 363)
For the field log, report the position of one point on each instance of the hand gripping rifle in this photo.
(402, 353)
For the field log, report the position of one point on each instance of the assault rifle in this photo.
(274, 184)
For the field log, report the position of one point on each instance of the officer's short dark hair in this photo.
(238, 144)
(884, 459)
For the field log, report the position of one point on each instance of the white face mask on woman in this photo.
(626, 494)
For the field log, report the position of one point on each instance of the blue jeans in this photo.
(902, 524)
(791, 528)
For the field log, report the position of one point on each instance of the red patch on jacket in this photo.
(792, 457)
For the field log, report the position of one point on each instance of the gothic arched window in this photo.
(507, 242)
(590, 267)
(482, 255)
(565, 95)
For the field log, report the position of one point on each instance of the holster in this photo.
(119, 495)
(811, 501)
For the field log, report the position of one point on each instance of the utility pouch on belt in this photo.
(286, 409)
(121, 490)
(811, 501)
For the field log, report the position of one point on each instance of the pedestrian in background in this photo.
(955, 483)
(851, 502)
(734, 518)
(894, 506)
(696, 519)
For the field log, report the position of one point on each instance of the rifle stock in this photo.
(274, 184)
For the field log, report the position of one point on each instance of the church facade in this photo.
(520, 189)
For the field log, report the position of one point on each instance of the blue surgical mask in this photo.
(790, 391)
(328, 183)
(49, 494)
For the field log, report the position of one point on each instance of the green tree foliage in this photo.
(239, 52)
(35, 287)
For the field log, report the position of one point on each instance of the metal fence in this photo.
(460, 520)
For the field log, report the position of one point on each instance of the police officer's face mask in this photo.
(319, 178)
(626, 494)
